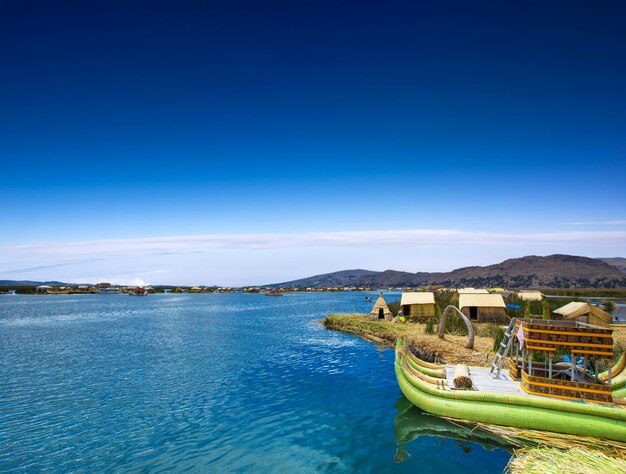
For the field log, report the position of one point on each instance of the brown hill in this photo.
(617, 262)
(553, 271)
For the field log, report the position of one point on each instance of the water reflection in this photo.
(411, 423)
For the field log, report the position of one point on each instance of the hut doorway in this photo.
(381, 313)
(473, 312)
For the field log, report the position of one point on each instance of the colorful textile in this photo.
(520, 335)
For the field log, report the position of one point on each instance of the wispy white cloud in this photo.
(39, 268)
(237, 259)
(36, 268)
(615, 222)
(186, 244)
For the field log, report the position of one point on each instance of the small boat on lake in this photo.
(537, 393)
(273, 293)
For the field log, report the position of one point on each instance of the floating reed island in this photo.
(551, 375)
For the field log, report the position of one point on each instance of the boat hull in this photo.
(516, 411)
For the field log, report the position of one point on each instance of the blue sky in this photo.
(212, 127)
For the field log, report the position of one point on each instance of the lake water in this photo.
(210, 383)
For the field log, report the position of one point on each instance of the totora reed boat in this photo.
(537, 392)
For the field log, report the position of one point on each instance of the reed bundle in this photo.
(462, 380)
(439, 383)
(571, 461)
(616, 370)
(418, 364)
(423, 363)
(524, 438)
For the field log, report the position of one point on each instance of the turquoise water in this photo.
(210, 383)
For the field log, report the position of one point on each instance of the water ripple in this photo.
(219, 383)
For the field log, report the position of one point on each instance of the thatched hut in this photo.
(381, 310)
(418, 306)
(472, 291)
(507, 295)
(530, 295)
(584, 313)
(483, 307)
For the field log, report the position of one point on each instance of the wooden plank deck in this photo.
(482, 381)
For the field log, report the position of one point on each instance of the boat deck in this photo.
(483, 381)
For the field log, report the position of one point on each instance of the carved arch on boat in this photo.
(468, 323)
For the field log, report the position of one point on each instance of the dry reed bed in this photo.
(570, 461)
(544, 452)
(450, 350)
(525, 438)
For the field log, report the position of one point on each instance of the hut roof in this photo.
(504, 293)
(530, 295)
(481, 300)
(575, 309)
(472, 291)
(423, 297)
(381, 303)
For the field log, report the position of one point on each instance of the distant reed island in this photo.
(567, 275)
(55, 288)
(58, 288)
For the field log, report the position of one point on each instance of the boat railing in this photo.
(558, 323)
(580, 374)
(566, 389)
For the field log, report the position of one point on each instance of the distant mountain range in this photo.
(35, 283)
(617, 262)
(553, 271)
